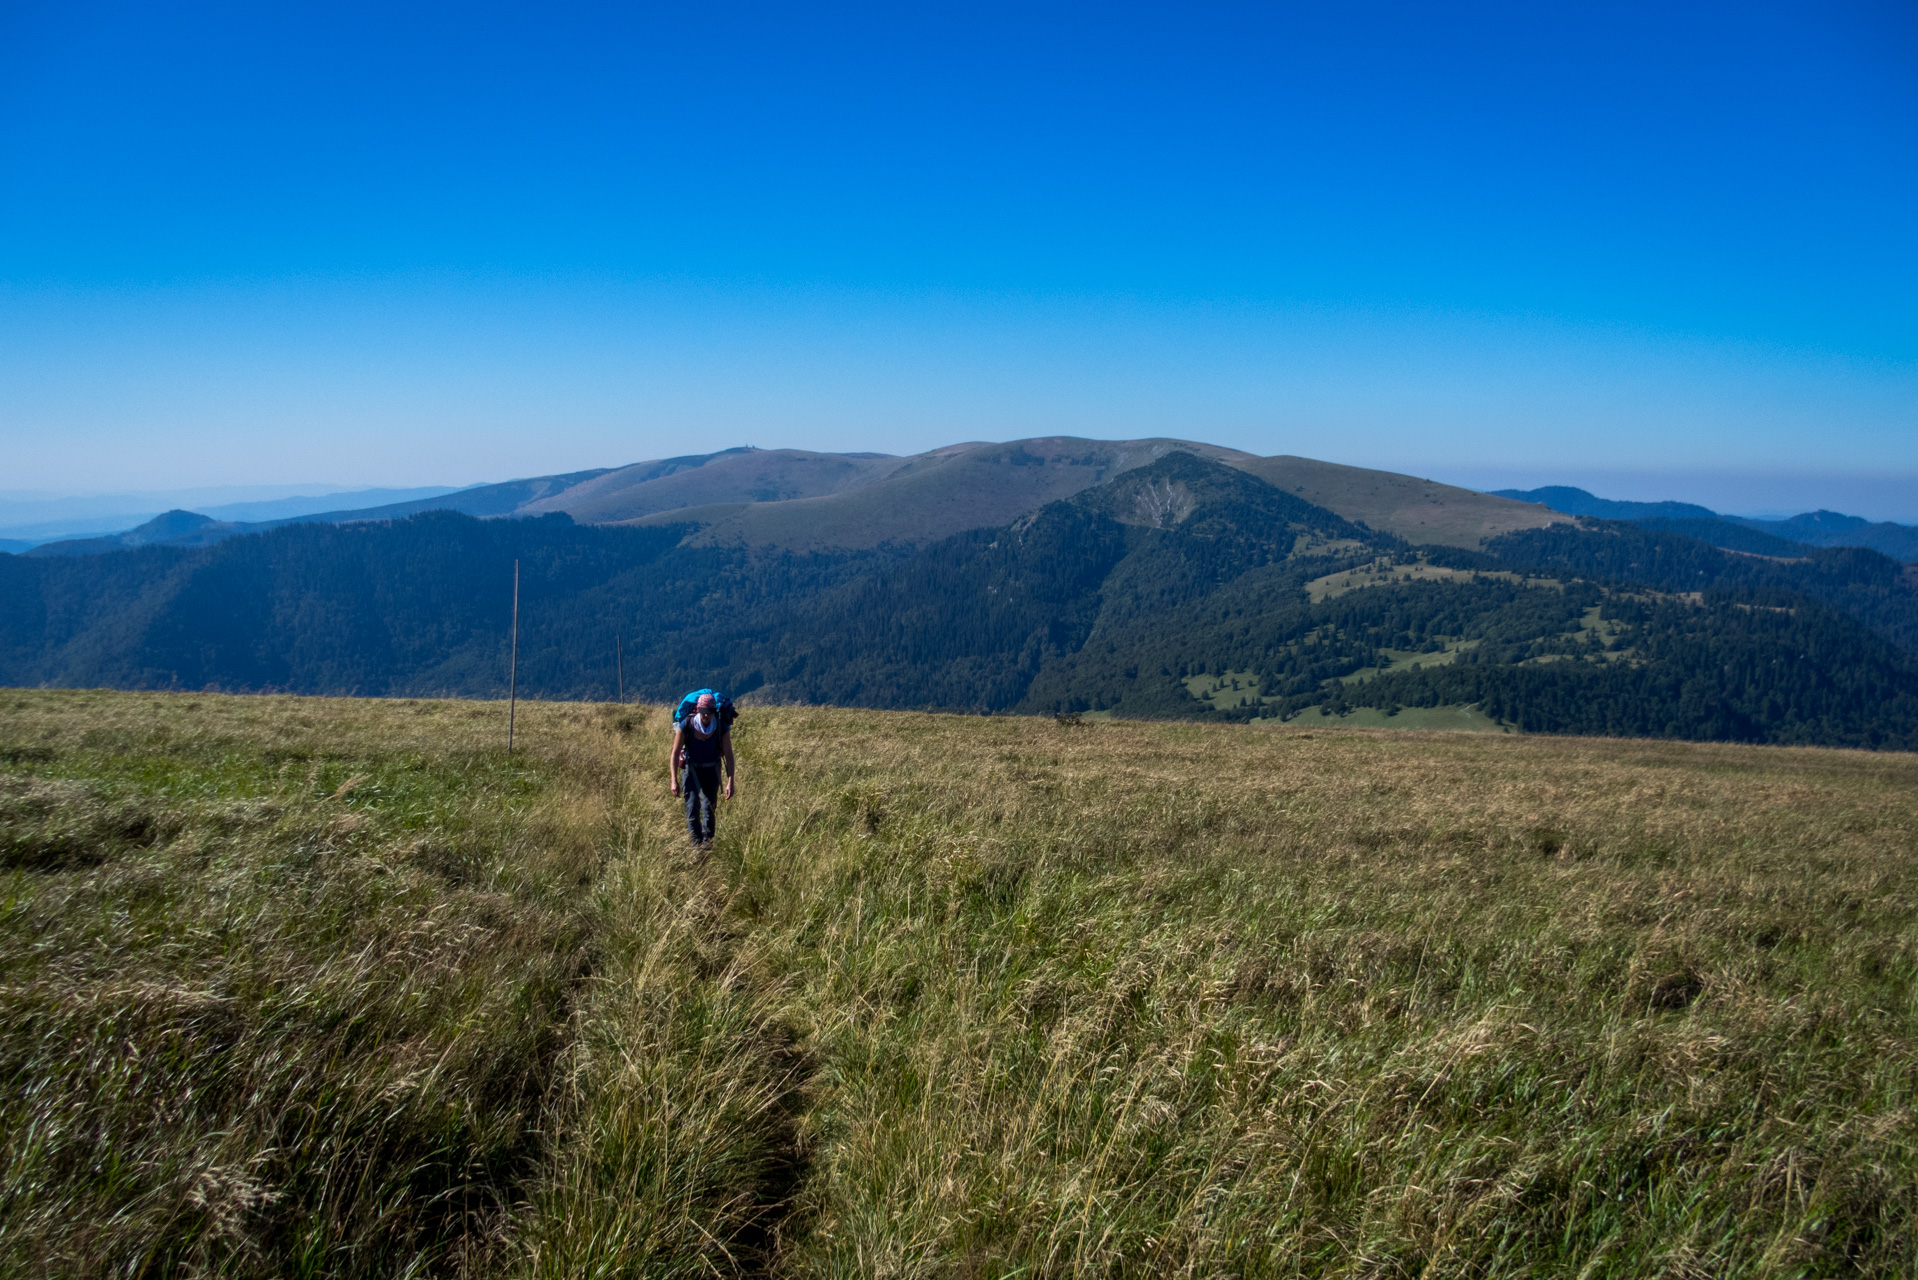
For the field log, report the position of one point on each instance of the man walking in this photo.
(702, 742)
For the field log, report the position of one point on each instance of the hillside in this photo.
(196, 529)
(934, 495)
(734, 475)
(34, 521)
(1735, 533)
(1578, 502)
(1422, 512)
(1727, 534)
(170, 529)
(1831, 529)
(300, 986)
(798, 500)
(979, 486)
(1185, 588)
(509, 498)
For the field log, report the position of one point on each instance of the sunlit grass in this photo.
(1120, 998)
(336, 987)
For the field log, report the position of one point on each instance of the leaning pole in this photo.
(512, 687)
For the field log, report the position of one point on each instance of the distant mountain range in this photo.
(1734, 533)
(26, 520)
(1140, 578)
(800, 500)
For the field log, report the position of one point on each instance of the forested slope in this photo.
(1184, 588)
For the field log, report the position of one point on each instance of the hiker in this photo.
(702, 741)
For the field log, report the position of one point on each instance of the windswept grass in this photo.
(1126, 999)
(310, 987)
(333, 987)
(673, 1144)
(282, 981)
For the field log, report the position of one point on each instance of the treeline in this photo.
(1857, 581)
(1738, 666)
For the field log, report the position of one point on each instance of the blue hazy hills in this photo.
(182, 528)
(1783, 538)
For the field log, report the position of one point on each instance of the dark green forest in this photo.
(1182, 589)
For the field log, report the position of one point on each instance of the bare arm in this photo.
(726, 756)
(672, 756)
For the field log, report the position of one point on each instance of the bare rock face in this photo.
(1163, 503)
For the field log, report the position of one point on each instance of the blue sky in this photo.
(1499, 244)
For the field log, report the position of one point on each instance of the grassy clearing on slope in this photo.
(1389, 572)
(1408, 659)
(951, 995)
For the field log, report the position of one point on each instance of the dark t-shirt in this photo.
(702, 752)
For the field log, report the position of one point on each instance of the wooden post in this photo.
(619, 665)
(512, 694)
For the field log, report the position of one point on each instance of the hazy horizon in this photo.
(1757, 495)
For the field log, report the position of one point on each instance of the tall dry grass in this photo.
(671, 1147)
(1128, 999)
(279, 982)
(949, 996)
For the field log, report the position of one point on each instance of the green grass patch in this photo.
(1406, 659)
(1227, 690)
(1389, 572)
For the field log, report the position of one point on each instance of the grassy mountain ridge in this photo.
(745, 475)
(800, 500)
(978, 486)
(511, 497)
(936, 495)
(974, 620)
(1422, 512)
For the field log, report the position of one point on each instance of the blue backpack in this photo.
(727, 711)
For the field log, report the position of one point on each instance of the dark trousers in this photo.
(700, 782)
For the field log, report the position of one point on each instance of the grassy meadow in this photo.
(336, 987)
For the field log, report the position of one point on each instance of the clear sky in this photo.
(392, 244)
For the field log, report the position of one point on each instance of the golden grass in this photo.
(951, 995)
